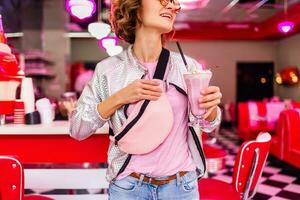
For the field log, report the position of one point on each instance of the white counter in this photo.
(55, 128)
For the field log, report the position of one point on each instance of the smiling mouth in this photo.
(165, 15)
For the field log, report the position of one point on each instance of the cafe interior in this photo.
(49, 50)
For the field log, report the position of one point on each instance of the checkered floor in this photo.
(278, 182)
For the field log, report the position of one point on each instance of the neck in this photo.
(147, 45)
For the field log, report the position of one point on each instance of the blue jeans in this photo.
(130, 188)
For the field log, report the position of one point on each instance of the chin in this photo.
(166, 29)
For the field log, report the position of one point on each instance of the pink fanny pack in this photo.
(150, 122)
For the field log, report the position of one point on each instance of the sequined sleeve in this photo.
(85, 119)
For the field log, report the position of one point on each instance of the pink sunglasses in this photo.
(164, 3)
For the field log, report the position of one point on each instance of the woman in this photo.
(172, 169)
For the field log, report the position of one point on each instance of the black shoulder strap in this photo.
(159, 71)
(162, 64)
(158, 74)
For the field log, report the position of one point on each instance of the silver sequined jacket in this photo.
(113, 74)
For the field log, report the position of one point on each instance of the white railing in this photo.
(48, 179)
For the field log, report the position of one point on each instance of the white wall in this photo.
(289, 55)
(226, 55)
(87, 50)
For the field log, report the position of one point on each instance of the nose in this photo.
(175, 7)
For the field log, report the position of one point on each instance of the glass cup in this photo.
(196, 82)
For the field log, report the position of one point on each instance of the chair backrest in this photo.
(243, 115)
(253, 113)
(289, 124)
(273, 111)
(296, 104)
(249, 164)
(232, 112)
(11, 178)
(289, 121)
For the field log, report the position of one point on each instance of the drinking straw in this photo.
(181, 53)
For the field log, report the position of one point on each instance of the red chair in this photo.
(248, 127)
(248, 168)
(262, 119)
(296, 104)
(232, 112)
(12, 180)
(215, 158)
(229, 113)
(278, 138)
(288, 129)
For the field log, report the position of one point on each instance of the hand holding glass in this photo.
(196, 82)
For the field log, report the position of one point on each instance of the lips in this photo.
(166, 15)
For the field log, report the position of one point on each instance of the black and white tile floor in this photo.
(279, 181)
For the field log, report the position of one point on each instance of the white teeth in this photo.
(166, 15)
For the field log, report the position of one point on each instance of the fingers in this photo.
(210, 100)
(151, 93)
(149, 97)
(210, 89)
(209, 111)
(209, 104)
(210, 97)
(150, 82)
(150, 90)
(154, 88)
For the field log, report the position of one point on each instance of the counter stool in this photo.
(12, 180)
(215, 158)
(248, 168)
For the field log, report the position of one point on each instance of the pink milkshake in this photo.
(196, 82)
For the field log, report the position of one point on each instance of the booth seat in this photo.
(278, 144)
(255, 117)
(296, 105)
(286, 142)
(229, 113)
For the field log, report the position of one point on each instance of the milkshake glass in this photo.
(195, 82)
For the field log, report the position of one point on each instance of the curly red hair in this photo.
(124, 20)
